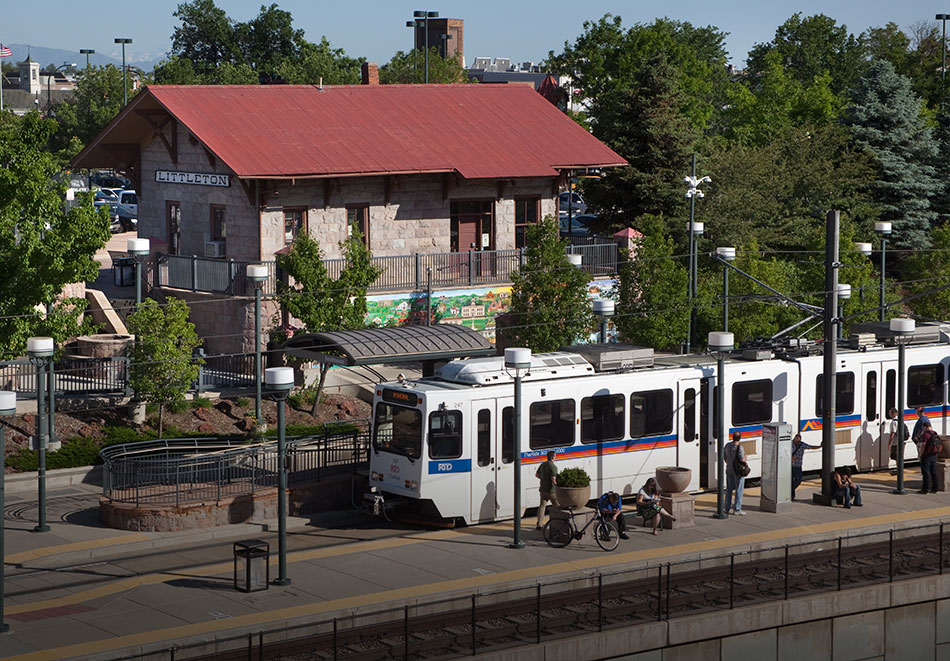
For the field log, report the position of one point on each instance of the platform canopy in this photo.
(377, 346)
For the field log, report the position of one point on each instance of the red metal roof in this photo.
(481, 131)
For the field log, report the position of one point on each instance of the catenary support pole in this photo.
(829, 348)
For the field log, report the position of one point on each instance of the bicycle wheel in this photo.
(607, 536)
(557, 533)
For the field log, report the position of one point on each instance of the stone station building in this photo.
(238, 172)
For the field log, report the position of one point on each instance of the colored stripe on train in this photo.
(601, 449)
(841, 422)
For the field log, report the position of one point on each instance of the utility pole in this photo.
(830, 345)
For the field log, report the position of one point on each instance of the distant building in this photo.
(29, 89)
(453, 46)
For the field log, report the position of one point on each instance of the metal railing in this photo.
(579, 605)
(399, 273)
(189, 470)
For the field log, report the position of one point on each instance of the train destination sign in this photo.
(400, 397)
(196, 178)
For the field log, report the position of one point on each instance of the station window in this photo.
(925, 385)
(357, 219)
(844, 393)
(751, 402)
(651, 413)
(552, 424)
(602, 418)
(484, 437)
(295, 223)
(526, 214)
(445, 435)
(219, 225)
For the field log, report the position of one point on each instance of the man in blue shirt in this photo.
(611, 508)
(919, 426)
(798, 454)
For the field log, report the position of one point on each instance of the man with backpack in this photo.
(930, 447)
(892, 442)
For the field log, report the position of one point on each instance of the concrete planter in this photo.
(673, 479)
(572, 496)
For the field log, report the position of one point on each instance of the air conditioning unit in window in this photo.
(214, 248)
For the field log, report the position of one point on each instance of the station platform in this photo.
(85, 591)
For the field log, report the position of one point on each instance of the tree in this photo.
(318, 62)
(409, 67)
(645, 126)
(549, 302)
(206, 36)
(809, 47)
(606, 58)
(321, 303)
(43, 246)
(162, 366)
(927, 271)
(268, 40)
(652, 306)
(885, 119)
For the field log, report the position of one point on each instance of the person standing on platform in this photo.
(919, 425)
(930, 447)
(736, 469)
(547, 473)
(892, 441)
(798, 454)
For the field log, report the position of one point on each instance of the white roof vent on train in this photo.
(488, 371)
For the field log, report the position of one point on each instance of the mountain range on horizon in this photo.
(57, 56)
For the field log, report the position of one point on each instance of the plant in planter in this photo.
(573, 487)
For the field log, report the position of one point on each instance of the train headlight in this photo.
(412, 485)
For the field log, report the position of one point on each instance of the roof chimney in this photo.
(370, 73)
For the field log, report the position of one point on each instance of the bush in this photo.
(179, 407)
(201, 403)
(573, 478)
(302, 399)
(243, 402)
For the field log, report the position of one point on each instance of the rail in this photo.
(491, 621)
(189, 470)
(399, 272)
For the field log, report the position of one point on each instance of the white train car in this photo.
(444, 445)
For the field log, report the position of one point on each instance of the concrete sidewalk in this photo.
(116, 592)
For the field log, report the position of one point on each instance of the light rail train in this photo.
(444, 445)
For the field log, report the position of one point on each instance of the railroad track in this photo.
(490, 622)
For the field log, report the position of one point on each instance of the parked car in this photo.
(576, 202)
(127, 217)
(108, 180)
(580, 224)
(130, 201)
(104, 196)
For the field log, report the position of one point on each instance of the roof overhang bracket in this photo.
(449, 181)
(129, 157)
(388, 182)
(502, 185)
(158, 120)
(248, 187)
(212, 161)
(330, 186)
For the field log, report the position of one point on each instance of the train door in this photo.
(492, 473)
(688, 447)
(871, 445)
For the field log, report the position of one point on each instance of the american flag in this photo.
(5, 52)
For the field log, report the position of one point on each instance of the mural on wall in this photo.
(474, 308)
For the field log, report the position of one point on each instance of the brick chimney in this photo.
(370, 73)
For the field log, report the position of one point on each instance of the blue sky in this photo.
(376, 28)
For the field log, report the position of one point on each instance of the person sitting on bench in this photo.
(611, 509)
(846, 490)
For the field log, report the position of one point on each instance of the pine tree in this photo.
(548, 294)
(927, 271)
(646, 127)
(886, 119)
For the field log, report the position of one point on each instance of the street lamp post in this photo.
(125, 83)
(412, 24)
(884, 229)
(693, 229)
(604, 308)
(519, 360)
(40, 350)
(422, 20)
(726, 254)
(257, 274)
(7, 408)
(720, 344)
(279, 381)
(903, 330)
(844, 293)
(49, 82)
(943, 45)
(138, 249)
(87, 52)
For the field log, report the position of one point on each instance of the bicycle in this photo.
(558, 533)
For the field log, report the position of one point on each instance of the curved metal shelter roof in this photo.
(376, 346)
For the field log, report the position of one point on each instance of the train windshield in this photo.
(397, 429)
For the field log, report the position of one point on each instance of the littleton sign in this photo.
(198, 178)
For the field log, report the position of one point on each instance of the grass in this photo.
(243, 402)
(302, 398)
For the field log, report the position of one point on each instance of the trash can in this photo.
(123, 272)
(251, 565)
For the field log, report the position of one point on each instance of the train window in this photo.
(507, 435)
(870, 395)
(397, 429)
(484, 437)
(925, 385)
(651, 413)
(689, 414)
(552, 424)
(445, 435)
(844, 393)
(751, 402)
(890, 390)
(602, 418)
